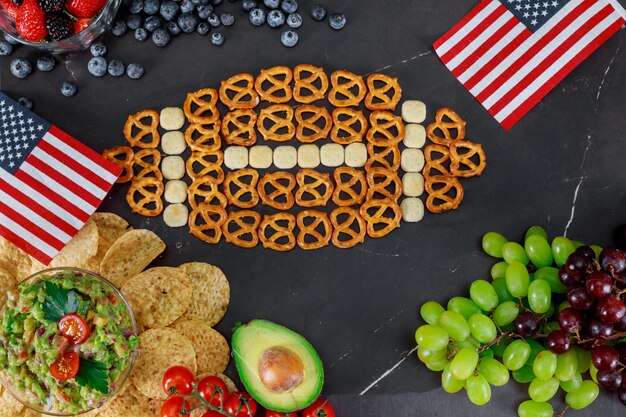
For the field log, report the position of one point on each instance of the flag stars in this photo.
(534, 22)
(535, 14)
(11, 164)
(544, 13)
(554, 4)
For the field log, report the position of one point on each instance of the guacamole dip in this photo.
(65, 339)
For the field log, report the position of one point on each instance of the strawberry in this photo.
(10, 7)
(84, 8)
(81, 24)
(31, 21)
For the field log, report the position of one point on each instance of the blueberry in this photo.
(257, 16)
(289, 38)
(45, 63)
(119, 28)
(200, 2)
(134, 21)
(152, 23)
(5, 48)
(116, 68)
(25, 102)
(318, 12)
(289, 6)
(227, 19)
(98, 49)
(248, 5)
(21, 68)
(141, 34)
(216, 2)
(203, 28)
(217, 38)
(187, 22)
(275, 18)
(68, 89)
(134, 71)
(169, 10)
(271, 4)
(337, 21)
(294, 20)
(11, 39)
(136, 6)
(161, 37)
(97, 66)
(151, 7)
(205, 11)
(173, 28)
(214, 20)
(186, 6)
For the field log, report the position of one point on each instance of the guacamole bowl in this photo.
(68, 341)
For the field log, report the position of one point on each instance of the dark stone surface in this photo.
(561, 167)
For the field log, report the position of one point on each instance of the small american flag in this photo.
(50, 184)
(510, 53)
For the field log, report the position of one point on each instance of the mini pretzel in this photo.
(204, 138)
(380, 180)
(341, 94)
(345, 129)
(208, 192)
(148, 161)
(462, 164)
(205, 222)
(386, 97)
(439, 200)
(307, 83)
(383, 124)
(210, 165)
(236, 178)
(142, 134)
(434, 166)
(144, 196)
(271, 76)
(446, 120)
(373, 212)
(349, 187)
(126, 162)
(237, 237)
(281, 232)
(200, 107)
(379, 156)
(243, 96)
(320, 239)
(309, 124)
(276, 180)
(345, 227)
(282, 128)
(312, 188)
(238, 132)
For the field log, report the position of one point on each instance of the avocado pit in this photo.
(280, 369)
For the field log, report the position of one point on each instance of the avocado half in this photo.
(278, 367)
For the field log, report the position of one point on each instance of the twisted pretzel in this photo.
(345, 129)
(205, 222)
(385, 97)
(320, 239)
(281, 231)
(380, 180)
(446, 121)
(349, 187)
(210, 165)
(276, 180)
(311, 188)
(141, 134)
(462, 164)
(200, 107)
(238, 132)
(434, 166)
(282, 128)
(439, 200)
(144, 196)
(307, 83)
(385, 156)
(148, 160)
(237, 237)
(308, 131)
(204, 138)
(236, 178)
(243, 96)
(383, 124)
(341, 94)
(345, 227)
(126, 162)
(208, 191)
(271, 76)
(378, 208)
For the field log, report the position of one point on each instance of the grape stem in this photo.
(562, 413)
(495, 341)
(203, 402)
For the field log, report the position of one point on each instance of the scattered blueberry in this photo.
(217, 38)
(318, 12)
(161, 37)
(294, 20)
(21, 68)
(337, 21)
(136, 6)
(11, 39)
(289, 38)
(68, 89)
(227, 19)
(289, 6)
(204, 11)
(5, 48)
(141, 34)
(98, 49)
(173, 28)
(97, 66)
(203, 28)
(271, 4)
(216, 2)
(151, 7)
(257, 16)
(152, 23)
(248, 5)
(134, 71)
(187, 22)
(275, 18)
(116, 68)
(198, 3)
(214, 20)
(134, 21)
(25, 102)
(119, 28)
(169, 10)
(186, 6)
(45, 63)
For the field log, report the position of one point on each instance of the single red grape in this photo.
(605, 358)
(599, 330)
(579, 299)
(610, 310)
(609, 380)
(571, 320)
(599, 284)
(614, 260)
(558, 342)
(570, 278)
(526, 324)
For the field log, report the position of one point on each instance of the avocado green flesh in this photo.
(251, 340)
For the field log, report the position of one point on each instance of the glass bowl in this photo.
(101, 23)
(28, 398)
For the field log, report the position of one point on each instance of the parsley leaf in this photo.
(59, 302)
(93, 374)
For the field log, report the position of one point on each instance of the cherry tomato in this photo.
(270, 413)
(179, 377)
(212, 413)
(213, 390)
(74, 328)
(240, 404)
(66, 367)
(173, 406)
(320, 408)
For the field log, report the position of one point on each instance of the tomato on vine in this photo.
(320, 408)
(240, 404)
(173, 406)
(179, 377)
(270, 413)
(213, 390)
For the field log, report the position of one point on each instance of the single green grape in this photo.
(551, 326)
(596, 249)
(463, 306)
(536, 231)
(535, 349)
(449, 383)
(516, 354)
(573, 383)
(582, 396)
(539, 296)
(543, 389)
(513, 251)
(517, 279)
(505, 313)
(524, 375)
(499, 285)
(544, 365)
(465, 344)
(454, 324)
(550, 311)
(482, 328)
(431, 337)
(498, 270)
(530, 408)
(563, 305)
(478, 389)
(492, 244)
(583, 358)
(437, 365)
(538, 250)
(464, 363)
(430, 311)
(498, 349)
(577, 244)
(551, 276)
(566, 365)
(593, 373)
(426, 355)
(487, 353)
(562, 248)
(483, 295)
(494, 371)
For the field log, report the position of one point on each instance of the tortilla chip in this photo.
(14, 260)
(27, 412)
(111, 222)
(130, 254)
(230, 384)
(130, 403)
(9, 406)
(160, 350)
(212, 350)
(155, 407)
(211, 292)
(80, 249)
(7, 282)
(159, 295)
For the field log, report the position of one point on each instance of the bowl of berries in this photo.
(57, 26)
